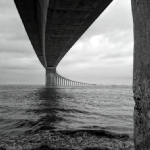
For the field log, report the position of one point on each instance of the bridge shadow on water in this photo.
(49, 103)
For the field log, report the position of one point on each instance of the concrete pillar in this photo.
(50, 77)
(66, 82)
(141, 75)
(59, 81)
(56, 80)
(63, 83)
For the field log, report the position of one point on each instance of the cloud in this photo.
(11, 27)
(18, 61)
(104, 54)
(117, 17)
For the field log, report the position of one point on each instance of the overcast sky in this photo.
(103, 55)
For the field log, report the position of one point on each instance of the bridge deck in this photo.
(54, 26)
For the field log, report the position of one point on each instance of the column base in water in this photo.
(50, 77)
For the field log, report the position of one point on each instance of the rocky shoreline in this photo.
(47, 140)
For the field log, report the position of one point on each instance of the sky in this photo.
(103, 55)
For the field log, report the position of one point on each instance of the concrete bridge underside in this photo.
(53, 26)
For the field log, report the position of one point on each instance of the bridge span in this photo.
(53, 27)
(53, 79)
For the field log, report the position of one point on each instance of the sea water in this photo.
(96, 117)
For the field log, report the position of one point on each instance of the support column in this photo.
(63, 82)
(55, 82)
(66, 83)
(141, 75)
(59, 81)
(50, 77)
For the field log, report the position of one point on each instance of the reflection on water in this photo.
(47, 109)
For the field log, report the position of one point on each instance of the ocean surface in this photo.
(35, 118)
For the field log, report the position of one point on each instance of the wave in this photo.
(98, 133)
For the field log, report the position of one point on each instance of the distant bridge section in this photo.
(55, 80)
(53, 26)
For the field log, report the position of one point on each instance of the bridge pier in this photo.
(141, 76)
(51, 77)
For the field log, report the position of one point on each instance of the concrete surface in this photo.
(141, 76)
(54, 26)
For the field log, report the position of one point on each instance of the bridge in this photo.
(53, 27)
(55, 80)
